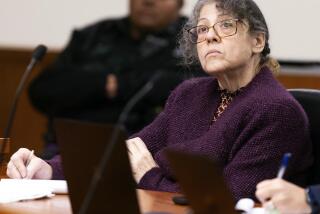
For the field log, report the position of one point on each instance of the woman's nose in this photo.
(212, 35)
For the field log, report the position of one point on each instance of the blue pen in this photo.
(284, 164)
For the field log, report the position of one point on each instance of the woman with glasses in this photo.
(240, 116)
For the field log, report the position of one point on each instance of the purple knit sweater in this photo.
(261, 123)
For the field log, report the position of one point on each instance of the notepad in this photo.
(12, 190)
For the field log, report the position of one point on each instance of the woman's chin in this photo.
(214, 69)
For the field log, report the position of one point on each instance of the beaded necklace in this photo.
(225, 99)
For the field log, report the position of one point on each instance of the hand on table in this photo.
(140, 158)
(24, 164)
(282, 195)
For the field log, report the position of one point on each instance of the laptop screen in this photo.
(202, 183)
(82, 145)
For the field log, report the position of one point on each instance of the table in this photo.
(148, 200)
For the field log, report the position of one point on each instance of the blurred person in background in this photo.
(106, 63)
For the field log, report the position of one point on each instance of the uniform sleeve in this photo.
(67, 85)
(314, 192)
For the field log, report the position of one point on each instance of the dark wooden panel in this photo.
(300, 81)
(29, 124)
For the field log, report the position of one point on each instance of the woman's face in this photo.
(218, 55)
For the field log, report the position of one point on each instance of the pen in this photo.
(29, 157)
(284, 164)
(270, 208)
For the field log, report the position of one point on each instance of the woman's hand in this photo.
(111, 85)
(140, 158)
(282, 195)
(24, 164)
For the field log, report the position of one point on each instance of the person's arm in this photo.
(145, 170)
(24, 164)
(313, 198)
(284, 196)
(277, 129)
(255, 155)
(56, 165)
(155, 134)
(154, 138)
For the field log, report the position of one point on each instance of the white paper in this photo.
(24, 189)
(247, 206)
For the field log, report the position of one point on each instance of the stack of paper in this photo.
(22, 189)
(247, 206)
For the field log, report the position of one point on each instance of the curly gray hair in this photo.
(240, 9)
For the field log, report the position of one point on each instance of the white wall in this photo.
(294, 28)
(294, 25)
(25, 23)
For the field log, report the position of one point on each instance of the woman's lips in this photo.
(213, 53)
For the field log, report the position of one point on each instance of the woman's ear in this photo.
(258, 42)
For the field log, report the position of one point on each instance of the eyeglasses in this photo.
(222, 28)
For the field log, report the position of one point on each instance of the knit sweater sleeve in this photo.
(256, 154)
(55, 163)
(155, 138)
(155, 134)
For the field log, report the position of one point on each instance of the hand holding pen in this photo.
(29, 158)
(280, 196)
(25, 165)
(28, 162)
(268, 190)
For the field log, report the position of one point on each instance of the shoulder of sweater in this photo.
(194, 83)
(265, 89)
(267, 93)
(277, 102)
(272, 97)
(190, 87)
